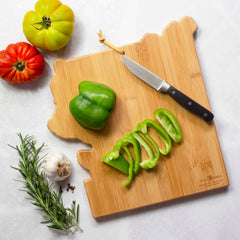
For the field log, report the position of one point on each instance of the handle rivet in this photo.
(173, 92)
(189, 103)
(205, 114)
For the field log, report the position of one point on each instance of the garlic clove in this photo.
(57, 167)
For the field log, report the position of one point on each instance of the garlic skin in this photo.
(57, 167)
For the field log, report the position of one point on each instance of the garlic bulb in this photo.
(57, 167)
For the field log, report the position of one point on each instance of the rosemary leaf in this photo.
(40, 190)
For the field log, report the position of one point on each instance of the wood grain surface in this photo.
(193, 166)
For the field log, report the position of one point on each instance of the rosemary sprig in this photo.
(41, 190)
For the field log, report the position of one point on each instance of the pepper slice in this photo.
(129, 139)
(117, 160)
(148, 149)
(131, 166)
(143, 126)
(151, 164)
(169, 123)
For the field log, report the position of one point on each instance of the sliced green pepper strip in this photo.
(142, 127)
(117, 160)
(128, 138)
(131, 166)
(169, 123)
(148, 164)
(148, 149)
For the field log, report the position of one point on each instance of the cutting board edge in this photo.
(189, 19)
(68, 137)
(180, 198)
(220, 149)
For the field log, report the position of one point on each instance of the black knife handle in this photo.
(189, 104)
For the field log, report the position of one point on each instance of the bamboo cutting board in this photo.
(193, 166)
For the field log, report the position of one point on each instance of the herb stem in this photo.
(40, 189)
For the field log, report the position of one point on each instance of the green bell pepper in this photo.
(140, 135)
(125, 141)
(151, 164)
(131, 166)
(143, 142)
(116, 159)
(93, 105)
(153, 157)
(169, 123)
(143, 126)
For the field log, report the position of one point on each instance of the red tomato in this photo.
(21, 62)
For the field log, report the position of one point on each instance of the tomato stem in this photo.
(19, 66)
(46, 23)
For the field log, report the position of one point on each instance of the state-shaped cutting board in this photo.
(193, 166)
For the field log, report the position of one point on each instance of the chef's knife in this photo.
(161, 86)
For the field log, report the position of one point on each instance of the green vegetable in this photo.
(93, 105)
(143, 126)
(125, 141)
(151, 164)
(169, 123)
(116, 159)
(146, 164)
(140, 135)
(40, 190)
(131, 167)
(153, 158)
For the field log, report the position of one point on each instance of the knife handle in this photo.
(189, 104)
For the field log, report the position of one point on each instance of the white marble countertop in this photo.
(28, 107)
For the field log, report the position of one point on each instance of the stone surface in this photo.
(27, 109)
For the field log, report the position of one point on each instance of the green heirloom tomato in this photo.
(50, 26)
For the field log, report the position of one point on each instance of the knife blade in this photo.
(162, 86)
